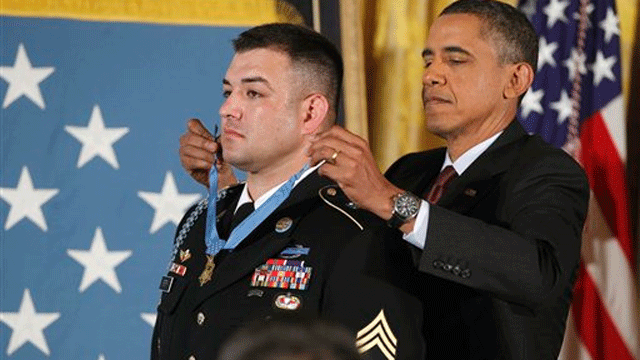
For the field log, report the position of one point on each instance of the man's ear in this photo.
(520, 80)
(315, 110)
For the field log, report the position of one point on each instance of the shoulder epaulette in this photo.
(333, 196)
(229, 190)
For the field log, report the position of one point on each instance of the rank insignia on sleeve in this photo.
(178, 269)
(378, 334)
(288, 302)
(282, 274)
(185, 255)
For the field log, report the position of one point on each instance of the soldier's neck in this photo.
(259, 182)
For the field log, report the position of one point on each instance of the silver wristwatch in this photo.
(405, 208)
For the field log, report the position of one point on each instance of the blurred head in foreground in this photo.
(291, 340)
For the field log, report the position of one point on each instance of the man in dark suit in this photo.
(497, 234)
(302, 252)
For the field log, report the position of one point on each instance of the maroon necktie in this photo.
(440, 185)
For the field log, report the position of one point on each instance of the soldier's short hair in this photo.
(307, 49)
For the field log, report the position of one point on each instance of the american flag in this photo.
(90, 179)
(576, 103)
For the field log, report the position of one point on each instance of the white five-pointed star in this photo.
(545, 53)
(563, 106)
(531, 102)
(101, 357)
(99, 263)
(24, 79)
(610, 25)
(169, 204)
(96, 139)
(603, 68)
(28, 325)
(149, 318)
(26, 201)
(555, 11)
(576, 63)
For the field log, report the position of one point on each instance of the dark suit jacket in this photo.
(357, 279)
(502, 248)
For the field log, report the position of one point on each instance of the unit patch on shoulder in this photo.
(282, 274)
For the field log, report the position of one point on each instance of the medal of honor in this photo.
(205, 277)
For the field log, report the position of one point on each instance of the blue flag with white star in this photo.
(563, 60)
(90, 179)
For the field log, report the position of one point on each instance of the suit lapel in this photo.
(426, 173)
(264, 242)
(483, 174)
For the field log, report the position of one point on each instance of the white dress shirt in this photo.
(245, 198)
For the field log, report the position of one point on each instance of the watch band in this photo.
(396, 221)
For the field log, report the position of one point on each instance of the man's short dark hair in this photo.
(306, 49)
(509, 28)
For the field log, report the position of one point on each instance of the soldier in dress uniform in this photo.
(303, 250)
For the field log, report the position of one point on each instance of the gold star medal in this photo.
(205, 277)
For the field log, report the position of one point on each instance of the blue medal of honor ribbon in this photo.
(214, 243)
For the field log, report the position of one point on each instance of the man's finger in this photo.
(335, 171)
(340, 133)
(196, 127)
(197, 153)
(194, 140)
(321, 153)
(335, 144)
(195, 163)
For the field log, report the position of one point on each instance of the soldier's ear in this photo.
(520, 79)
(314, 110)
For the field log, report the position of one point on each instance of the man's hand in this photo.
(354, 169)
(197, 154)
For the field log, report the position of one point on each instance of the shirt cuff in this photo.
(418, 236)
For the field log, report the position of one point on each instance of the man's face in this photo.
(463, 79)
(260, 122)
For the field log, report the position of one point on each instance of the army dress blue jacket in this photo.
(313, 257)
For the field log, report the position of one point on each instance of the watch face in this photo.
(406, 205)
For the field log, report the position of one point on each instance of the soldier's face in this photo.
(261, 124)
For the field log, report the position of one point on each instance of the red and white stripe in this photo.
(604, 320)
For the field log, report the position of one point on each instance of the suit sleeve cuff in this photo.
(418, 236)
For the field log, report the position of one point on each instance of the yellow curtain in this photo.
(395, 36)
(186, 12)
(394, 33)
